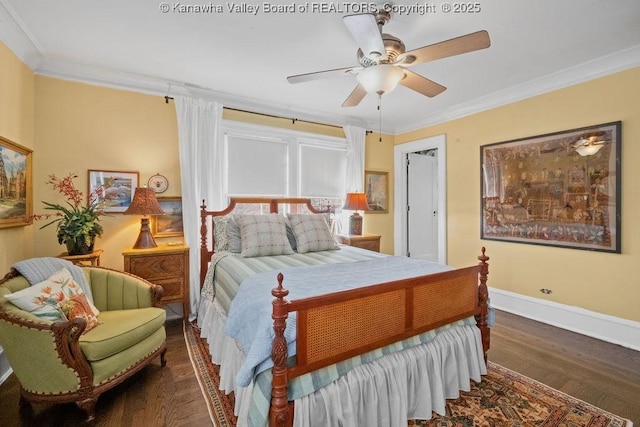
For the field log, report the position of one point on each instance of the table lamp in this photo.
(144, 203)
(356, 202)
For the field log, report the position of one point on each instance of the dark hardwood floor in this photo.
(602, 374)
(155, 396)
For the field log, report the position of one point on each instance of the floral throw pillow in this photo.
(43, 299)
(263, 235)
(78, 307)
(226, 234)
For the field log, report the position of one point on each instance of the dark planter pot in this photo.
(79, 247)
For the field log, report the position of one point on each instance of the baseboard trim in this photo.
(590, 323)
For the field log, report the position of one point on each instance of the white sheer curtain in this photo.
(201, 147)
(354, 179)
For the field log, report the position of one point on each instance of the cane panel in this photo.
(438, 301)
(353, 324)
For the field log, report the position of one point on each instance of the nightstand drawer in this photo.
(372, 245)
(157, 266)
(165, 265)
(365, 241)
(173, 288)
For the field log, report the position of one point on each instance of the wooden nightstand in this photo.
(167, 266)
(364, 241)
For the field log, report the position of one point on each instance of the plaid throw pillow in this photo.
(263, 235)
(312, 233)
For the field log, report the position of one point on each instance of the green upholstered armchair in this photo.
(54, 362)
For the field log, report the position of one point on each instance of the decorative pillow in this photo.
(312, 233)
(226, 234)
(290, 237)
(78, 306)
(43, 299)
(263, 235)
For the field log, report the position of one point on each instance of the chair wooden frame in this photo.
(66, 335)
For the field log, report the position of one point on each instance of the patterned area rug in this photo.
(503, 398)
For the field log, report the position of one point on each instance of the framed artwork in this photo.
(16, 188)
(376, 187)
(169, 224)
(120, 188)
(559, 189)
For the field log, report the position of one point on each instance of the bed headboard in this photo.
(207, 224)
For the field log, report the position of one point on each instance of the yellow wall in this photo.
(80, 127)
(601, 282)
(16, 124)
(73, 127)
(379, 157)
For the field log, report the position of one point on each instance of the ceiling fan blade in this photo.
(320, 75)
(364, 29)
(421, 84)
(463, 44)
(355, 97)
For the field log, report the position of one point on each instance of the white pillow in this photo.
(43, 299)
(263, 235)
(312, 233)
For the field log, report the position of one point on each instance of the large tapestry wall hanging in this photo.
(559, 189)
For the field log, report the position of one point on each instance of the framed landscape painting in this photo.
(560, 189)
(120, 187)
(16, 188)
(169, 224)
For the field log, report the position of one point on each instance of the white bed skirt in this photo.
(395, 388)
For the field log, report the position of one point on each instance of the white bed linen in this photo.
(430, 371)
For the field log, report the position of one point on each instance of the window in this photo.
(272, 162)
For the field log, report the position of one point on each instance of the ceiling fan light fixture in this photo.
(589, 149)
(380, 79)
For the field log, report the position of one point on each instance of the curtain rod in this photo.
(293, 120)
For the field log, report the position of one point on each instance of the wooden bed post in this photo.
(279, 411)
(483, 302)
(204, 251)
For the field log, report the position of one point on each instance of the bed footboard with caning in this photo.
(337, 326)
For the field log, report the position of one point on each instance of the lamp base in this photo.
(145, 238)
(355, 224)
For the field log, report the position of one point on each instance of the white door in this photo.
(422, 205)
(438, 185)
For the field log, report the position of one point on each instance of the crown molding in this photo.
(16, 36)
(100, 76)
(590, 70)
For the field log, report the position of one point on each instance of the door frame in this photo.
(400, 152)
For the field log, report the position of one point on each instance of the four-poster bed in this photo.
(337, 327)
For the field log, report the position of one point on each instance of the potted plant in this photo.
(78, 221)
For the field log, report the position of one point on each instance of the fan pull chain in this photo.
(380, 117)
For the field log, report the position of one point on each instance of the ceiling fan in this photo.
(384, 62)
(589, 144)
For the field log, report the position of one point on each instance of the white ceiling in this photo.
(242, 59)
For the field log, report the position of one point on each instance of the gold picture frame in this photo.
(170, 224)
(376, 187)
(16, 184)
